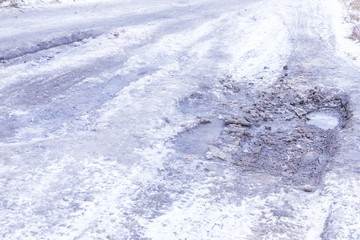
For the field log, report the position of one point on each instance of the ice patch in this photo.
(322, 120)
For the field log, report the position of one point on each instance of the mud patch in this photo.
(272, 135)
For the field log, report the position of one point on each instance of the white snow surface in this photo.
(100, 173)
(7, 3)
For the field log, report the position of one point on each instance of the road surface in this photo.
(179, 120)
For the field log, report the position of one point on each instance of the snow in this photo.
(46, 2)
(345, 47)
(88, 124)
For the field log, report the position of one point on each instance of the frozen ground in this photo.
(179, 120)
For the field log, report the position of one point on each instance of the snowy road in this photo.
(140, 120)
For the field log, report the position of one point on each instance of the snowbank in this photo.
(15, 3)
(343, 28)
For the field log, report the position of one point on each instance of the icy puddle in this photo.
(323, 120)
(189, 143)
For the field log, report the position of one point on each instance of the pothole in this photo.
(323, 120)
(196, 140)
(197, 102)
(199, 132)
(287, 132)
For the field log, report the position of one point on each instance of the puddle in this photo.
(198, 139)
(195, 103)
(323, 120)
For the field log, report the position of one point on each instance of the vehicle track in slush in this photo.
(181, 120)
